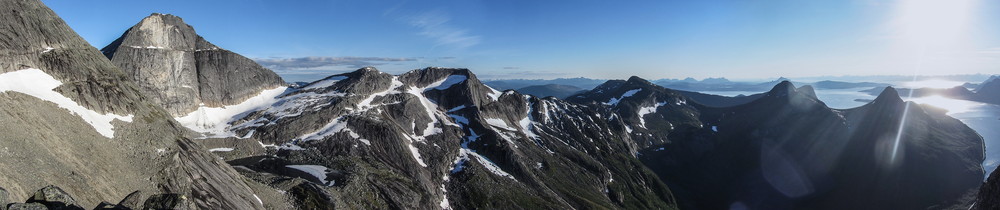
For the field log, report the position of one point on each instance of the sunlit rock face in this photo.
(181, 71)
(787, 149)
(48, 130)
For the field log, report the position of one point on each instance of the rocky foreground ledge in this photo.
(51, 197)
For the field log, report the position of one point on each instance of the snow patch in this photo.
(258, 199)
(526, 123)
(499, 124)
(38, 84)
(494, 94)
(492, 167)
(221, 149)
(315, 170)
(213, 122)
(416, 155)
(643, 111)
(325, 83)
(630, 93)
(448, 82)
(335, 126)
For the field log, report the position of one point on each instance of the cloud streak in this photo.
(308, 63)
(435, 25)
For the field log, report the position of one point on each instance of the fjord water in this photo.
(982, 117)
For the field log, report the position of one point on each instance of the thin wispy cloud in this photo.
(435, 25)
(311, 63)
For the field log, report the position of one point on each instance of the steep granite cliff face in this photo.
(72, 118)
(181, 71)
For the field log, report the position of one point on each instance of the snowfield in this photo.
(38, 84)
(213, 122)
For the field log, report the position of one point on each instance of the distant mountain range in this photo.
(688, 84)
(164, 115)
(554, 90)
(986, 92)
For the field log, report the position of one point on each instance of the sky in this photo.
(530, 39)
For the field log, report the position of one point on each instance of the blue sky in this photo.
(748, 39)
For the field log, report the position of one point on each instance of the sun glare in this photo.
(933, 23)
(953, 106)
(934, 83)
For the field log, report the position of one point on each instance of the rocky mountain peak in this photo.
(181, 71)
(783, 88)
(808, 90)
(635, 80)
(992, 84)
(888, 96)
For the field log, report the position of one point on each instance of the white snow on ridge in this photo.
(38, 84)
(315, 170)
(334, 127)
(447, 82)
(366, 103)
(494, 94)
(489, 165)
(214, 121)
(499, 123)
(526, 123)
(416, 155)
(630, 93)
(643, 111)
(221, 149)
(325, 83)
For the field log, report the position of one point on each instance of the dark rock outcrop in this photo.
(52, 197)
(788, 150)
(989, 91)
(180, 70)
(989, 194)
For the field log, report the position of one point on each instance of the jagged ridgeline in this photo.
(177, 68)
(439, 138)
(435, 138)
(788, 150)
(73, 119)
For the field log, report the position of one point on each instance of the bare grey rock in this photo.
(131, 201)
(54, 198)
(26, 206)
(44, 144)
(167, 201)
(180, 70)
(3, 199)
